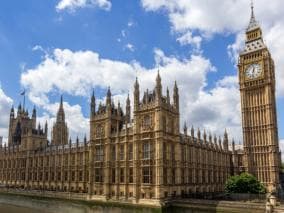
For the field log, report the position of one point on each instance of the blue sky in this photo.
(70, 47)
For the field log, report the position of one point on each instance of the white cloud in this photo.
(206, 18)
(188, 38)
(76, 73)
(130, 47)
(72, 5)
(5, 106)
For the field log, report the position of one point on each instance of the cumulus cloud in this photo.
(76, 73)
(205, 19)
(5, 106)
(72, 5)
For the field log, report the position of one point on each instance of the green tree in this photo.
(244, 183)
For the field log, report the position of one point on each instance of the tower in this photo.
(259, 121)
(60, 129)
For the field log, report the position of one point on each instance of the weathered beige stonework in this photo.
(259, 116)
(144, 158)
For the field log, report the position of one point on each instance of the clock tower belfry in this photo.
(259, 118)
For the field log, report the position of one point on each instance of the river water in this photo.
(21, 204)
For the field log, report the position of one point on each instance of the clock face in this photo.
(253, 71)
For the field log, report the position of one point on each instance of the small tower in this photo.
(93, 104)
(185, 129)
(108, 98)
(34, 118)
(192, 132)
(158, 87)
(168, 97)
(128, 110)
(46, 128)
(226, 141)
(176, 97)
(12, 113)
(60, 129)
(136, 95)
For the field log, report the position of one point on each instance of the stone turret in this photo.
(226, 141)
(136, 95)
(128, 110)
(176, 97)
(60, 129)
(93, 104)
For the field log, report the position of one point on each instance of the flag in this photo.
(23, 93)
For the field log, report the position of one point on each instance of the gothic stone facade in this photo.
(144, 157)
(259, 117)
(141, 158)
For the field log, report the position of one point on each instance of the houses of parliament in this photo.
(139, 154)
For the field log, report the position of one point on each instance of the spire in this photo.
(93, 104)
(45, 127)
(158, 78)
(198, 134)
(253, 23)
(61, 102)
(136, 84)
(12, 113)
(136, 95)
(176, 97)
(158, 86)
(233, 145)
(192, 131)
(185, 128)
(61, 114)
(225, 141)
(34, 112)
(128, 109)
(168, 96)
(108, 98)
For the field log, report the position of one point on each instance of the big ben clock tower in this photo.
(259, 119)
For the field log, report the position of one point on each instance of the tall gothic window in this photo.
(130, 151)
(121, 175)
(99, 153)
(147, 174)
(165, 176)
(146, 150)
(130, 175)
(113, 153)
(113, 175)
(98, 175)
(121, 152)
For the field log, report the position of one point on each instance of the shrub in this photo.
(244, 183)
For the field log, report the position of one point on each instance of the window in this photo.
(147, 174)
(146, 150)
(99, 153)
(113, 175)
(165, 176)
(98, 175)
(65, 176)
(80, 176)
(73, 176)
(173, 176)
(121, 153)
(113, 153)
(130, 175)
(173, 152)
(59, 176)
(122, 175)
(165, 151)
(130, 151)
